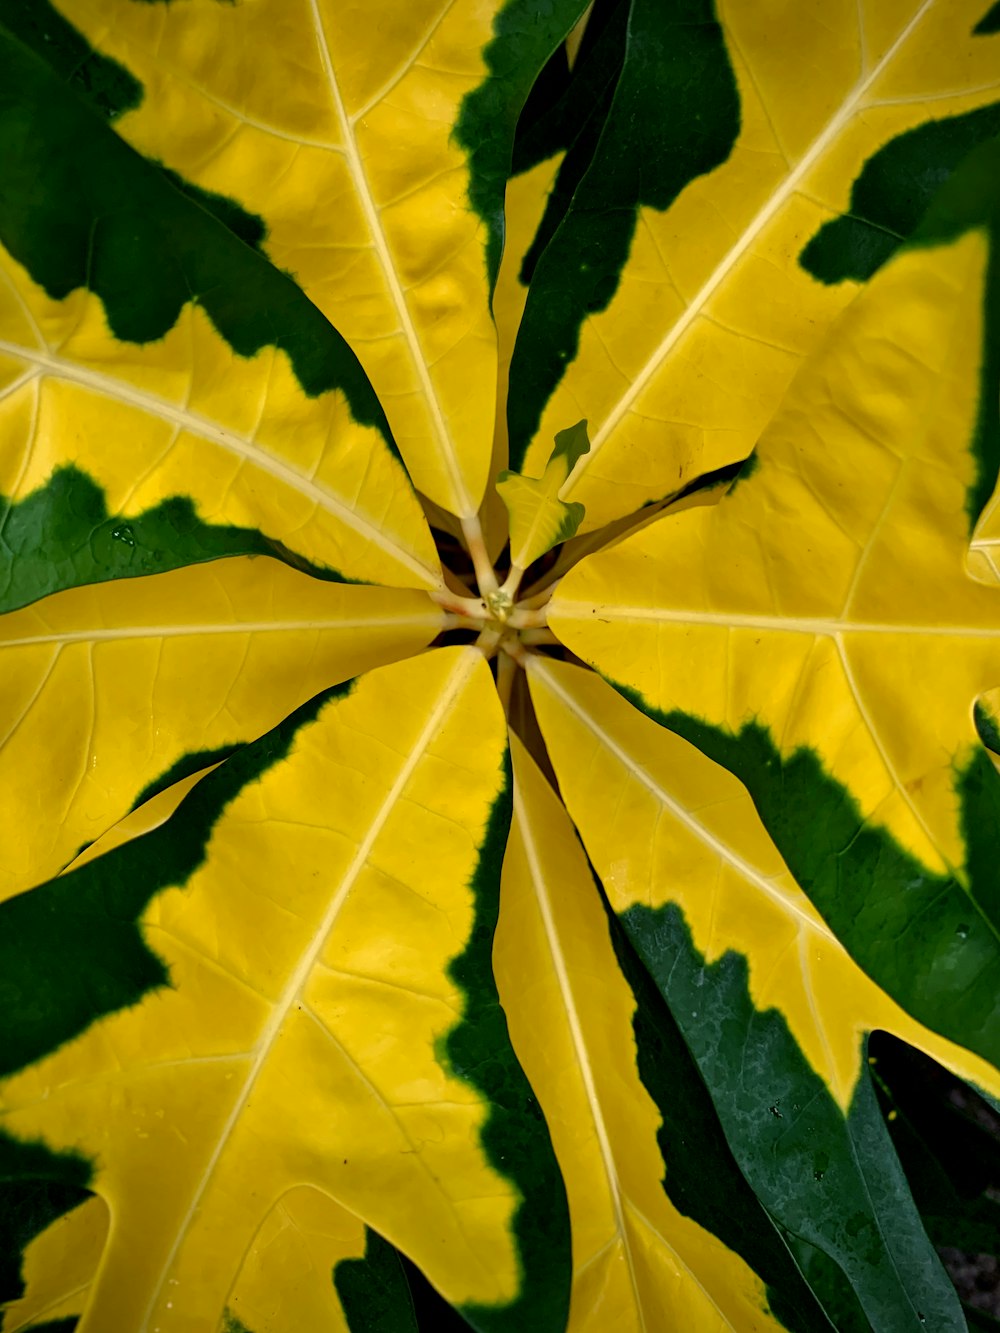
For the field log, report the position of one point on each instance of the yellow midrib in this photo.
(432, 618)
(588, 611)
(764, 215)
(120, 391)
(458, 678)
(619, 1201)
(537, 876)
(685, 817)
(464, 506)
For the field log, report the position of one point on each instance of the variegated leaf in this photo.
(210, 1045)
(820, 633)
(756, 162)
(113, 689)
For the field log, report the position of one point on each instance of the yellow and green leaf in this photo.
(256, 1072)
(783, 629)
(650, 1250)
(771, 1006)
(58, 1266)
(168, 395)
(539, 520)
(117, 688)
(52, 1231)
(313, 1265)
(525, 202)
(751, 168)
(376, 154)
(289, 982)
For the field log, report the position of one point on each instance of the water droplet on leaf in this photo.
(123, 533)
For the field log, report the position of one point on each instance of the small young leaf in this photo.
(539, 520)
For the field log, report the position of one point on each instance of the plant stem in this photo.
(462, 622)
(472, 531)
(512, 582)
(521, 618)
(506, 669)
(469, 608)
(534, 637)
(540, 597)
(488, 641)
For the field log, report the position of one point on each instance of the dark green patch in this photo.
(192, 762)
(989, 23)
(674, 116)
(373, 1291)
(927, 940)
(745, 470)
(703, 1180)
(113, 90)
(524, 36)
(576, 122)
(61, 536)
(970, 200)
(829, 1287)
(249, 227)
(979, 1320)
(232, 1324)
(830, 1182)
(531, 144)
(942, 1133)
(434, 1314)
(563, 99)
(72, 950)
(987, 727)
(80, 208)
(892, 193)
(515, 1137)
(66, 1325)
(36, 1187)
(108, 86)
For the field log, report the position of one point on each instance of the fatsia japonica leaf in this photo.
(819, 631)
(209, 1045)
(771, 1006)
(256, 332)
(375, 150)
(656, 1244)
(750, 170)
(108, 688)
(168, 395)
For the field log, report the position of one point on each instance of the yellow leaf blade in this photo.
(831, 596)
(714, 309)
(109, 686)
(255, 1071)
(772, 1007)
(185, 416)
(58, 1268)
(711, 854)
(539, 520)
(640, 1264)
(354, 119)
